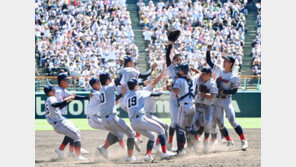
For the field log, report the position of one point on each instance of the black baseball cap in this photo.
(48, 88)
(62, 76)
(206, 70)
(230, 58)
(132, 83)
(103, 77)
(127, 59)
(93, 80)
(183, 67)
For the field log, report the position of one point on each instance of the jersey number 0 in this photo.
(132, 101)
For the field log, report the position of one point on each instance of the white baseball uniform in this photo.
(61, 94)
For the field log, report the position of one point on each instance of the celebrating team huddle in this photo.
(198, 101)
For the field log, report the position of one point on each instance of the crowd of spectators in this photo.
(256, 44)
(82, 38)
(200, 24)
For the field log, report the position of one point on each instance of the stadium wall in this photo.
(246, 104)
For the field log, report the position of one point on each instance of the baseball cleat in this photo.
(137, 145)
(229, 144)
(168, 154)
(169, 146)
(181, 152)
(223, 141)
(148, 158)
(83, 151)
(214, 142)
(244, 144)
(71, 154)
(131, 159)
(206, 146)
(80, 158)
(157, 148)
(59, 152)
(103, 151)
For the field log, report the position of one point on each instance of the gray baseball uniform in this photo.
(59, 123)
(172, 73)
(140, 123)
(108, 113)
(92, 112)
(61, 94)
(127, 74)
(186, 106)
(150, 108)
(204, 106)
(227, 81)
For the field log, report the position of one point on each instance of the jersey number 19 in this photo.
(132, 101)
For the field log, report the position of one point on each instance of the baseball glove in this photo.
(169, 83)
(174, 35)
(203, 89)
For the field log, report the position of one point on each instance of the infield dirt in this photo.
(218, 156)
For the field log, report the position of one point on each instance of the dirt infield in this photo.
(47, 141)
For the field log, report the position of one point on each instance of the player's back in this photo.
(106, 98)
(182, 84)
(135, 102)
(52, 114)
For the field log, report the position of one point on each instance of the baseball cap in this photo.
(62, 76)
(127, 59)
(93, 80)
(132, 83)
(183, 67)
(230, 58)
(103, 77)
(206, 70)
(48, 88)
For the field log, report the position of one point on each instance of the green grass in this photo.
(82, 124)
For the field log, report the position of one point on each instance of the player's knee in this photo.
(173, 124)
(165, 127)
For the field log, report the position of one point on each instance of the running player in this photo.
(59, 123)
(229, 83)
(61, 94)
(135, 104)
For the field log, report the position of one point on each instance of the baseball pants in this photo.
(67, 128)
(146, 126)
(95, 122)
(118, 127)
(185, 115)
(222, 105)
(173, 113)
(160, 122)
(205, 115)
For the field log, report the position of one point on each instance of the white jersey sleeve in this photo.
(178, 83)
(235, 82)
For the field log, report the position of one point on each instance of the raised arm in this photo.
(208, 56)
(145, 75)
(155, 94)
(158, 78)
(168, 52)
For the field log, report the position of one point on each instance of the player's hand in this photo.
(70, 98)
(194, 70)
(154, 65)
(147, 82)
(123, 89)
(202, 94)
(91, 95)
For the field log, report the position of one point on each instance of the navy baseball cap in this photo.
(132, 83)
(230, 58)
(93, 80)
(127, 59)
(103, 77)
(206, 70)
(48, 88)
(183, 67)
(62, 76)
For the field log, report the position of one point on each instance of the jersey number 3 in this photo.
(132, 101)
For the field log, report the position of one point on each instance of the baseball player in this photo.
(227, 83)
(107, 98)
(61, 94)
(93, 108)
(59, 123)
(204, 101)
(183, 89)
(150, 108)
(135, 106)
(172, 73)
(128, 72)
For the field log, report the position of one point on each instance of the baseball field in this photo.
(46, 140)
